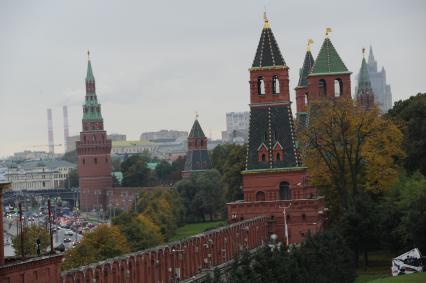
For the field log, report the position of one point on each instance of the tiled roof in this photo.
(196, 131)
(268, 53)
(306, 69)
(328, 61)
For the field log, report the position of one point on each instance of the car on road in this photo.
(69, 233)
(67, 240)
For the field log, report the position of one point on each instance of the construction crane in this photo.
(45, 145)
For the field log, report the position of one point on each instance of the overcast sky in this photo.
(157, 62)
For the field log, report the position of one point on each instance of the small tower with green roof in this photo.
(329, 76)
(93, 151)
(197, 156)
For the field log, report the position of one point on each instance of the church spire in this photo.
(268, 53)
(89, 75)
(307, 66)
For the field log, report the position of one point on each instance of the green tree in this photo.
(202, 195)
(104, 242)
(135, 171)
(70, 156)
(72, 179)
(410, 114)
(163, 207)
(229, 160)
(31, 234)
(140, 232)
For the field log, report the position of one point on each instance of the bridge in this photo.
(187, 260)
(69, 195)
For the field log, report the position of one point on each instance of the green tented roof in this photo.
(328, 61)
(89, 76)
(196, 131)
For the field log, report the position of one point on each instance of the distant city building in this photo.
(70, 144)
(382, 90)
(163, 136)
(133, 147)
(31, 155)
(237, 125)
(38, 175)
(117, 137)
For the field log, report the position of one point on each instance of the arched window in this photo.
(306, 98)
(95, 160)
(260, 86)
(322, 88)
(284, 191)
(260, 196)
(275, 85)
(84, 138)
(84, 161)
(278, 156)
(263, 157)
(202, 142)
(338, 88)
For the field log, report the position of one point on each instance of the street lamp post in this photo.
(285, 223)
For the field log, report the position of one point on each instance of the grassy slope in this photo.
(196, 228)
(412, 278)
(379, 267)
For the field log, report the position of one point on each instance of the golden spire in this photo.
(265, 20)
(327, 31)
(310, 41)
(196, 115)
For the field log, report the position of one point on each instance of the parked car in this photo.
(67, 240)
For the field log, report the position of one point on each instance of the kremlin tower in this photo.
(93, 151)
(275, 184)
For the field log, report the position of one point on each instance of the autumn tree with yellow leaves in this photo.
(351, 156)
(104, 242)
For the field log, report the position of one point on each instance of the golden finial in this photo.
(265, 20)
(327, 31)
(196, 115)
(88, 54)
(310, 42)
(363, 52)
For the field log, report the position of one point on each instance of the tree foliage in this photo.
(135, 171)
(72, 179)
(164, 208)
(104, 242)
(410, 114)
(229, 160)
(349, 150)
(403, 214)
(202, 195)
(140, 231)
(31, 234)
(321, 258)
(70, 156)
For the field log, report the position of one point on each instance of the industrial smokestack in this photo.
(66, 130)
(50, 131)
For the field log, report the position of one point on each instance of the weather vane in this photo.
(196, 115)
(88, 54)
(310, 42)
(363, 52)
(265, 20)
(327, 31)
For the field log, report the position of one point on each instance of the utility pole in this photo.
(50, 226)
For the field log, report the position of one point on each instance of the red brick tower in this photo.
(197, 157)
(329, 76)
(93, 151)
(274, 182)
